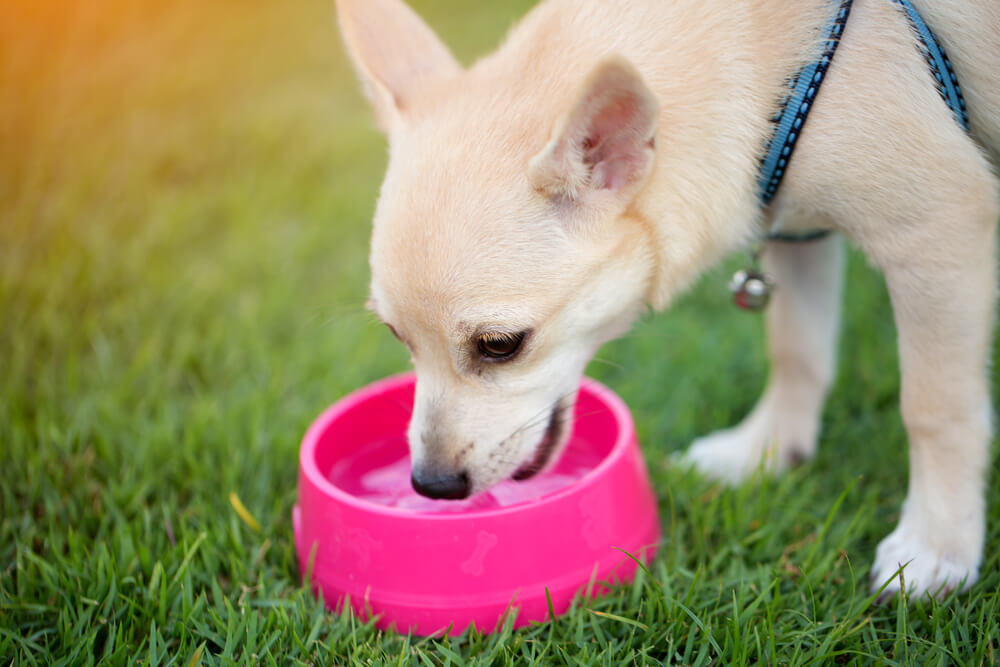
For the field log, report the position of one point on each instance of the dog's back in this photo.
(656, 33)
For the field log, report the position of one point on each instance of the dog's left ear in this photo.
(605, 142)
(395, 54)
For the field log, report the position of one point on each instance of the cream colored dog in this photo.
(607, 153)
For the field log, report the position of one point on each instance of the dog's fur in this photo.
(608, 152)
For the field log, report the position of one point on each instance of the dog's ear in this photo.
(394, 52)
(605, 142)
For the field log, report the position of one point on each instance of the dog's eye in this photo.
(500, 346)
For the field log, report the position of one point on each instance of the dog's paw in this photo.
(925, 570)
(728, 456)
(759, 444)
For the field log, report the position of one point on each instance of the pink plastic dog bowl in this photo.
(422, 565)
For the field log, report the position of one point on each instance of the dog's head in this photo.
(504, 250)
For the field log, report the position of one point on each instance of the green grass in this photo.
(185, 198)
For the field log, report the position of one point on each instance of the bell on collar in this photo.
(750, 289)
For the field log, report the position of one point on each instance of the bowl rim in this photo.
(331, 492)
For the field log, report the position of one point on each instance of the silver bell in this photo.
(750, 289)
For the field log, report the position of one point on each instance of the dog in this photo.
(536, 203)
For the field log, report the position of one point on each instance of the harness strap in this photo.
(805, 86)
(795, 110)
(940, 66)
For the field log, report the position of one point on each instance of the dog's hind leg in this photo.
(803, 322)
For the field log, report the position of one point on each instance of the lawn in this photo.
(186, 191)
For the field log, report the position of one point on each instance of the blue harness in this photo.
(805, 86)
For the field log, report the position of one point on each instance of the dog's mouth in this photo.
(545, 448)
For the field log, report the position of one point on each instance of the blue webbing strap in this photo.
(796, 108)
(805, 86)
(940, 66)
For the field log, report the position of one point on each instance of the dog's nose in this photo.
(441, 487)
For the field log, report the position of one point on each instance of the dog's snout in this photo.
(448, 486)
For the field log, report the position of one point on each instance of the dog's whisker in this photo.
(558, 407)
(533, 420)
(407, 409)
(608, 362)
(330, 316)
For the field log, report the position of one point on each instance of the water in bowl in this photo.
(380, 473)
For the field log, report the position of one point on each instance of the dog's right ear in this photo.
(604, 144)
(395, 54)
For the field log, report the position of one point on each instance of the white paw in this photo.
(767, 440)
(926, 570)
(729, 456)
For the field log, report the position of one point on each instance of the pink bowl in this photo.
(426, 566)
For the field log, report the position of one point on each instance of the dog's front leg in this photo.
(803, 321)
(943, 299)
